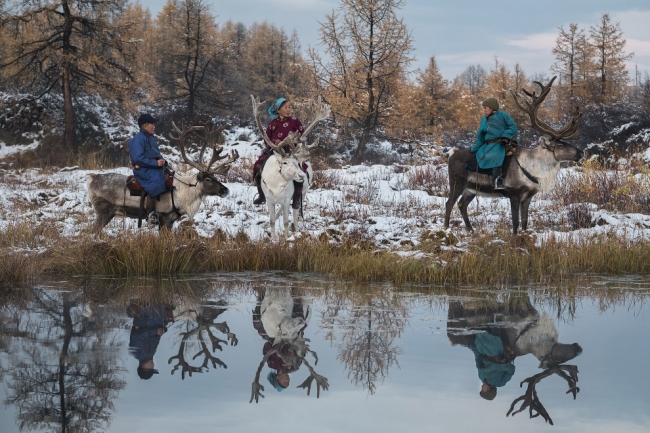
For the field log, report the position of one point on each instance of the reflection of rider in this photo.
(493, 366)
(269, 317)
(148, 326)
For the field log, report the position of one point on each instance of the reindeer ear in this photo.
(277, 156)
(199, 177)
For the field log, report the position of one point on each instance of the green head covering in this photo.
(489, 395)
(492, 103)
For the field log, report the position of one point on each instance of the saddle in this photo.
(135, 189)
(472, 166)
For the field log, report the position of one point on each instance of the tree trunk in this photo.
(68, 109)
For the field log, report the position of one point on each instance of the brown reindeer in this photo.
(530, 170)
(109, 196)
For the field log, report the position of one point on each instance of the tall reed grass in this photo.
(485, 261)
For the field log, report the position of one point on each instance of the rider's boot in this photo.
(496, 177)
(261, 198)
(150, 210)
(296, 201)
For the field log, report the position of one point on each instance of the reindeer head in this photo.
(553, 139)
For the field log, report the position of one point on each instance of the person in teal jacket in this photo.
(494, 368)
(496, 130)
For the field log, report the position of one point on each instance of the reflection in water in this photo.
(149, 324)
(369, 324)
(280, 317)
(61, 377)
(62, 363)
(198, 322)
(498, 333)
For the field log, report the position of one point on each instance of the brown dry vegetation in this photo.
(486, 261)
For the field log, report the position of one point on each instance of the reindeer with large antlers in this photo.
(286, 174)
(530, 170)
(109, 196)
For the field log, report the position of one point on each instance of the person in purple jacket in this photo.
(281, 125)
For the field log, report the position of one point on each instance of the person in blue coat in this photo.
(149, 324)
(148, 164)
(494, 368)
(496, 130)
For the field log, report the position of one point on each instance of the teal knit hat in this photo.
(492, 103)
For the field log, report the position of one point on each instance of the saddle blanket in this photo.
(135, 189)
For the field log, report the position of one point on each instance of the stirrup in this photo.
(153, 218)
(498, 183)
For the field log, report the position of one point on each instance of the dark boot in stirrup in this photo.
(498, 180)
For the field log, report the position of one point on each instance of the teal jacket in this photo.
(498, 125)
(488, 371)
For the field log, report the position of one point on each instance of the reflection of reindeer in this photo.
(520, 327)
(523, 331)
(281, 320)
(204, 317)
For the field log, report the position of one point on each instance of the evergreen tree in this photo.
(610, 57)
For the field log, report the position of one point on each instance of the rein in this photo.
(526, 172)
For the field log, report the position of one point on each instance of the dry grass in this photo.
(356, 258)
(617, 189)
(430, 178)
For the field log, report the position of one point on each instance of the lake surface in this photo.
(188, 355)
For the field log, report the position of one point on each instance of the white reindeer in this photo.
(284, 166)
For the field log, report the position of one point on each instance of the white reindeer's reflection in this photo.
(281, 318)
(500, 332)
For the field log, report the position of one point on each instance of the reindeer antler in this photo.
(530, 104)
(211, 137)
(530, 398)
(317, 112)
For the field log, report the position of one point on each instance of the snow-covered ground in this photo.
(374, 202)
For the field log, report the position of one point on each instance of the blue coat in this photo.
(144, 340)
(144, 158)
(488, 371)
(498, 125)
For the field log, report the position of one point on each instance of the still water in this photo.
(256, 352)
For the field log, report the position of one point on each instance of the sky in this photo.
(464, 32)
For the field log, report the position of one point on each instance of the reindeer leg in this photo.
(514, 210)
(272, 216)
(454, 193)
(524, 212)
(464, 202)
(285, 219)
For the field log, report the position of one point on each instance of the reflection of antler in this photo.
(530, 399)
(320, 380)
(257, 387)
(208, 357)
